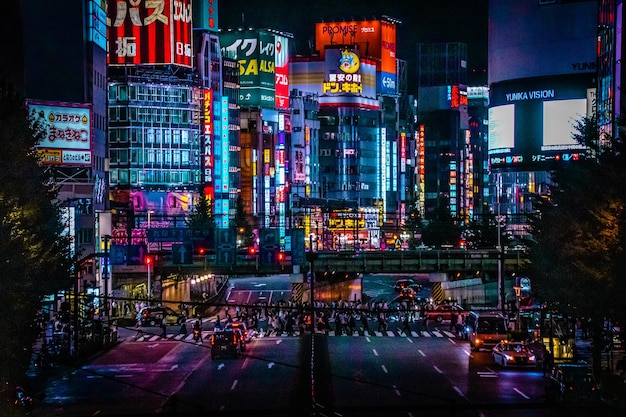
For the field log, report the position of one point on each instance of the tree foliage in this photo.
(577, 258)
(202, 216)
(34, 255)
(442, 229)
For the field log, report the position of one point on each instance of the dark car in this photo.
(229, 343)
(153, 316)
(574, 382)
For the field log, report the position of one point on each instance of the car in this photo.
(407, 283)
(227, 343)
(574, 382)
(443, 312)
(513, 354)
(247, 334)
(153, 316)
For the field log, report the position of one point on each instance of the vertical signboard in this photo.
(387, 76)
(282, 72)
(150, 32)
(208, 145)
(205, 15)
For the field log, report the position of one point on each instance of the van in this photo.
(485, 329)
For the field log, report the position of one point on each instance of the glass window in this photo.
(122, 92)
(123, 133)
(168, 157)
(123, 176)
(176, 137)
(167, 136)
(184, 136)
(132, 92)
(176, 157)
(123, 156)
(150, 135)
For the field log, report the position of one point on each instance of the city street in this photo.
(366, 373)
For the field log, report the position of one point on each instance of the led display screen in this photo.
(532, 121)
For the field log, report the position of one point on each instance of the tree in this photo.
(202, 216)
(577, 257)
(242, 224)
(413, 225)
(442, 230)
(34, 254)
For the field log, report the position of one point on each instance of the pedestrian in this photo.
(460, 322)
(453, 319)
(183, 329)
(139, 330)
(218, 324)
(548, 360)
(382, 322)
(366, 326)
(163, 327)
(405, 325)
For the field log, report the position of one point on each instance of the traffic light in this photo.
(281, 256)
(251, 250)
(148, 260)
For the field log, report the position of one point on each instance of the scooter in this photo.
(22, 399)
(196, 333)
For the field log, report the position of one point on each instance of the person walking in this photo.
(364, 322)
(163, 328)
(405, 325)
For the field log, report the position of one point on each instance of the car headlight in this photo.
(531, 357)
(508, 357)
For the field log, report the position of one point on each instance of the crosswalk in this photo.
(206, 334)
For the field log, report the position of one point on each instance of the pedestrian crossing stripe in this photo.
(206, 334)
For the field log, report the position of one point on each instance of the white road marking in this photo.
(232, 387)
(375, 353)
(384, 369)
(521, 393)
(437, 369)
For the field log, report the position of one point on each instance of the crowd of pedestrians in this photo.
(342, 317)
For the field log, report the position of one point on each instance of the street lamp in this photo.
(148, 262)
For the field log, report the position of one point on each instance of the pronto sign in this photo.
(66, 132)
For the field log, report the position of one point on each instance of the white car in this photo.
(513, 354)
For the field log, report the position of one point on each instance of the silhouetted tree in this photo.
(35, 258)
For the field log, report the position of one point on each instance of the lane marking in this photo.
(409, 339)
(397, 391)
(521, 393)
(232, 387)
(421, 353)
(384, 369)
(375, 353)
(437, 369)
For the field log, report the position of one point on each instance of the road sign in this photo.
(268, 246)
(182, 254)
(226, 247)
(127, 255)
(176, 234)
(298, 247)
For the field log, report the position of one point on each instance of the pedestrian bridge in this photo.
(452, 262)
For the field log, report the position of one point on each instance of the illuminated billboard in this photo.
(150, 32)
(255, 51)
(205, 15)
(282, 72)
(67, 137)
(373, 38)
(532, 121)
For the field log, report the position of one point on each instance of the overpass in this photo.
(454, 262)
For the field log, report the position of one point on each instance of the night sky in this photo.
(423, 21)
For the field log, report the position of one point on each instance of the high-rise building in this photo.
(542, 80)
(355, 74)
(442, 106)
